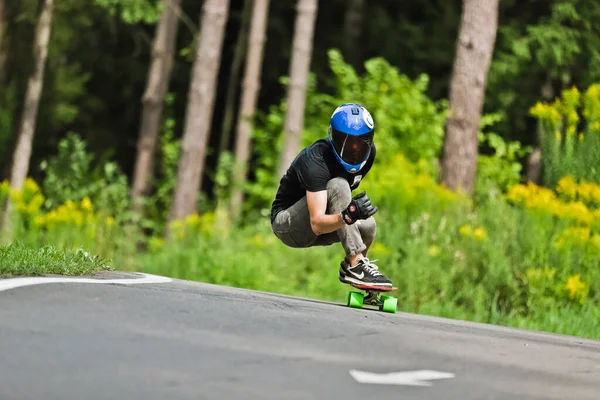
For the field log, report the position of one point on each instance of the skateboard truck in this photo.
(373, 298)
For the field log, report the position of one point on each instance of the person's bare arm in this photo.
(321, 222)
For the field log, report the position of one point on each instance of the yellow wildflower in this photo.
(555, 115)
(39, 221)
(109, 221)
(466, 230)
(540, 109)
(193, 221)
(86, 204)
(30, 186)
(4, 188)
(577, 211)
(178, 228)
(589, 192)
(517, 193)
(434, 251)
(594, 241)
(380, 249)
(577, 236)
(480, 234)
(573, 117)
(16, 195)
(577, 288)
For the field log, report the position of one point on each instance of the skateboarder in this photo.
(314, 204)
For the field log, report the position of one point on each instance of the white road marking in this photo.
(410, 378)
(12, 283)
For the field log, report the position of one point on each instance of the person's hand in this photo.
(359, 208)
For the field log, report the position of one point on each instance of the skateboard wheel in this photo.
(389, 304)
(355, 299)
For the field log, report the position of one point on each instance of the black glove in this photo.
(359, 208)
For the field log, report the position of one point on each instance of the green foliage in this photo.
(223, 177)
(71, 175)
(541, 47)
(69, 87)
(554, 43)
(7, 117)
(134, 11)
(166, 175)
(500, 170)
(406, 120)
(569, 129)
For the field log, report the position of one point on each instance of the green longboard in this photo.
(373, 298)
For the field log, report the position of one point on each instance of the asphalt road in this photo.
(184, 340)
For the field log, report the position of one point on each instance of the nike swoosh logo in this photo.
(359, 276)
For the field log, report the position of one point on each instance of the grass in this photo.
(18, 259)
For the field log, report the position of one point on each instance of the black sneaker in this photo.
(363, 273)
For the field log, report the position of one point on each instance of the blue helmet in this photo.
(351, 131)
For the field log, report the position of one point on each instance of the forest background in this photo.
(149, 136)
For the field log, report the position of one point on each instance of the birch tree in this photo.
(199, 108)
(474, 49)
(299, 69)
(22, 153)
(157, 84)
(250, 90)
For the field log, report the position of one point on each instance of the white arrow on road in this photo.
(410, 378)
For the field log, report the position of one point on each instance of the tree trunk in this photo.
(353, 22)
(251, 87)
(22, 154)
(199, 108)
(474, 49)
(299, 69)
(153, 99)
(234, 74)
(534, 161)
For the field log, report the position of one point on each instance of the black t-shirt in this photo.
(312, 168)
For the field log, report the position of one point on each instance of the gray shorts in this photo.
(292, 226)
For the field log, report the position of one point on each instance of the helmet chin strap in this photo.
(355, 170)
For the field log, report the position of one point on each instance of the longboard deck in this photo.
(374, 288)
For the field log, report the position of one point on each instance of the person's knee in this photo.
(368, 228)
(338, 189)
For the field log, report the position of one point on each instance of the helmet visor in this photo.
(352, 149)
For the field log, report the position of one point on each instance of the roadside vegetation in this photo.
(21, 260)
